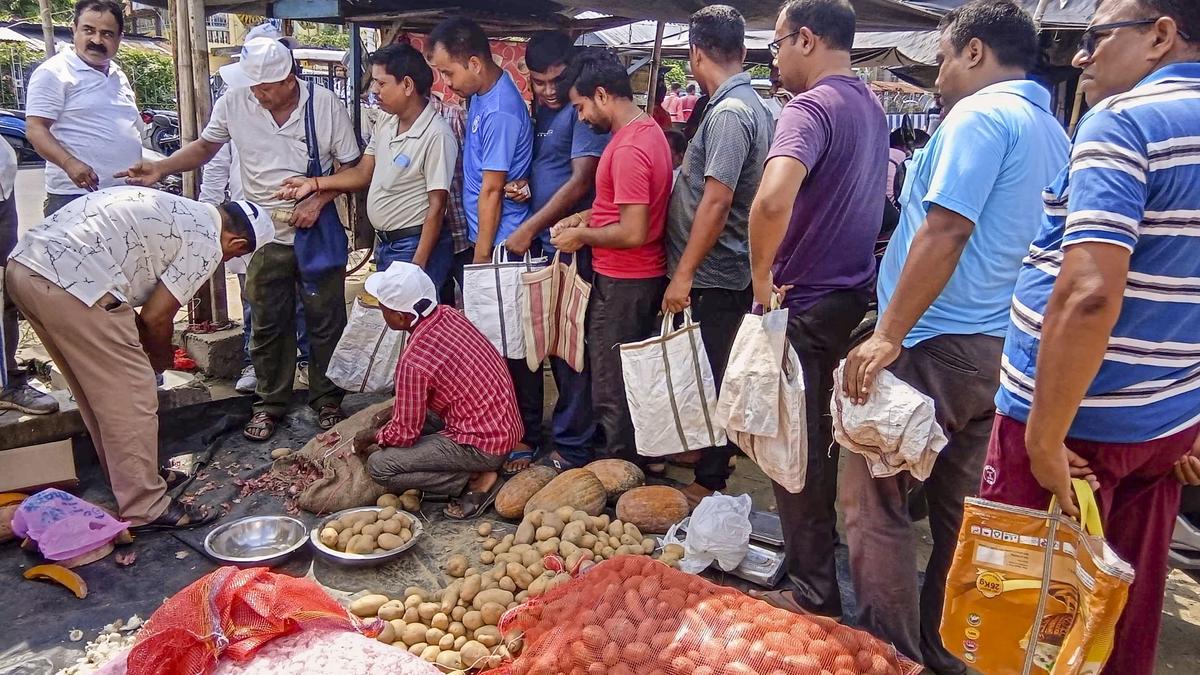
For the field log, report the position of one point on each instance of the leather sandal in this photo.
(329, 415)
(179, 516)
(260, 428)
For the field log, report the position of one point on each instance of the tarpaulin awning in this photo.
(1071, 14)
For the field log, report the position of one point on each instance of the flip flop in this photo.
(516, 456)
(473, 504)
(558, 463)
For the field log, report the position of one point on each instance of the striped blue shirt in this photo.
(1133, 181)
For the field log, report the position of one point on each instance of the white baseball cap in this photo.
(260, 222)
(264, 61)
(402, 287)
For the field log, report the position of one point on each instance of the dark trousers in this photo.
(55, 202)
(573, 424)
(619, 311)
(434, 463)
(10, 335)
(961, 373)
(271, 287)
(719, 312)
(248, 321)
(1139, 500)
(821, 337)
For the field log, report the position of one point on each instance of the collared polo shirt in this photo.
(271, 153)
(94, 115)
(124, 241)
(1132, 182)
(731, 146)
(408, 166)
(988, 161)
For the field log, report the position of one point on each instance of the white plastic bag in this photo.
(718, 530)
(750, 389)
(492, 300)
(782, 456)
(366, 355)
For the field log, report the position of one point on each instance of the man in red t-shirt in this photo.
(625, 229)
(689, 103)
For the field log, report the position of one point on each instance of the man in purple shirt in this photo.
(812, 234)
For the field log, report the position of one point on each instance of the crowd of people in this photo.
(1037, 288)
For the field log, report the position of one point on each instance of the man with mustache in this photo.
(81, 114)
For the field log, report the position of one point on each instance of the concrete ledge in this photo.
(217, 354)
(18, 430)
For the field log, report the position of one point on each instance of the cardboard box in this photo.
(34, 467)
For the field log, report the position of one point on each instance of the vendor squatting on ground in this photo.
(1057, 272)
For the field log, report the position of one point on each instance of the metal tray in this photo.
(361, 559)
(766, 528)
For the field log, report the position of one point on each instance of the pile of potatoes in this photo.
(409, 501)
(368, 532)
(455, 628)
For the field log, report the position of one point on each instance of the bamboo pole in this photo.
(47, 27)
(655, 66)
(217, 296)
(185, 87)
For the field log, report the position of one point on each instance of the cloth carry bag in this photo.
(750, 392)
(324, 247)
(492, 300)
(1033, 592)
(782, 455)
(671, 392)
(366, 355)
(554, 308)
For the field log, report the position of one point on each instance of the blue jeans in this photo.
(403, 250)
(301, 328)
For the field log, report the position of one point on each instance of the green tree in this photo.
(760, 72)
(15, 60)
(674, 71)
(151, 74)
(60, 10)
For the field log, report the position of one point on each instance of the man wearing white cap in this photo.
(266, 118)
(447, 367)
(77, 278)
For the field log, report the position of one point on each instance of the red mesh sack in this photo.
(232, 613)
(636, 616)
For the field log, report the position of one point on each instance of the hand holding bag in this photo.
(492, 300)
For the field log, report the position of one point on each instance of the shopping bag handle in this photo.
(1089, 509)
(500, 254)
(668, 322)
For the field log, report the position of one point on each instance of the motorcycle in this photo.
(161, 130)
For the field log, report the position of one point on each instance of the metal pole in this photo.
(47, 27)
(655, 65)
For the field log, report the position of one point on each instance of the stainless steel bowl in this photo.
(362, 559)
(256, 541)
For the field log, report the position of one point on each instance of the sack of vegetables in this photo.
(633, 615)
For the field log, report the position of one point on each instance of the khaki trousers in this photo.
(99, 353)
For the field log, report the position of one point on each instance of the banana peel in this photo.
(60, 575)
(7, 498)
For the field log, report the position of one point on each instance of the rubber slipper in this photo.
(473, 504)
(173, 477)
(179, 516)
(516, 456)
(556, 462)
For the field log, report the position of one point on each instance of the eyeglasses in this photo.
(1094, 34)
(774, 46)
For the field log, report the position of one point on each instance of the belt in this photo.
(391, 236)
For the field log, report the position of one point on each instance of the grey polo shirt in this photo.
(408, 166)
(730, 146)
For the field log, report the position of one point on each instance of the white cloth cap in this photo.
(401, 287)
(260, 221)
(264, 61)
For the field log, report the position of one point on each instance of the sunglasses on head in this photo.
(1094, 34)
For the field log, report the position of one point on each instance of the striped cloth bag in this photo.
(554, 307)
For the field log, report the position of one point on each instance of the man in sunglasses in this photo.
(1101, 358)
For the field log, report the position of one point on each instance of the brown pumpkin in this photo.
(617, 475)
(654, 508)
(578, 488)
(512, 496)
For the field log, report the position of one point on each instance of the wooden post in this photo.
(47, 27)
(214, 304)
(655, 66)
(185, 87)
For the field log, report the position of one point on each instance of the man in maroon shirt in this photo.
(449, 368)
(624, 227)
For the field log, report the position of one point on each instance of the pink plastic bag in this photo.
(63, 525)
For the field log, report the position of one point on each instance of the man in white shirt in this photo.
(267, 123)
(77, 278)
(408, 166)
(81, 115)
(15, 392)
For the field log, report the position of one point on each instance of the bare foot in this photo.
(694, 493)
(482, 482)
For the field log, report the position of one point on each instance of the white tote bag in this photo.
(783, 455)
(750, 390)
(492, 300)
(671, 392)
(366, 355)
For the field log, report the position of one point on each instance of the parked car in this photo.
(12, 127)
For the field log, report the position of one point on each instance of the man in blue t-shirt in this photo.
(499, 144)
(562, 182)
(1101, 358)
(971, 208)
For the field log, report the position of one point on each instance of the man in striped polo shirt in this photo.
(1101, 363)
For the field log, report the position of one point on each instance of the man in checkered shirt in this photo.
(450, 369)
